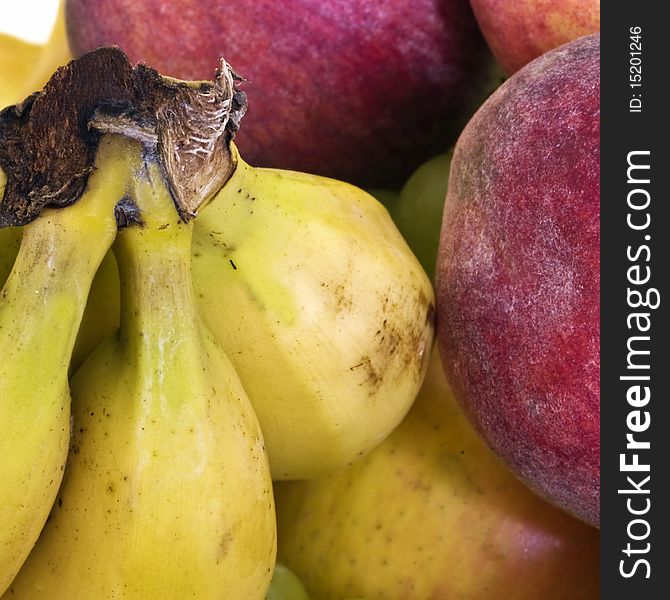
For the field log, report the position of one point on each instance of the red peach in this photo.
(357, 90)
(518, 280)
(518, 31)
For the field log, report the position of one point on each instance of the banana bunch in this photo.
(324, 311)
(282, 333)
(166, 458)
(166, 448)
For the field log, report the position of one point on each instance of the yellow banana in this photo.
(167, 492)
(322, 308)
(17, 59)
(101, 315)
(41, 306)
(26, 67)
(55, 53)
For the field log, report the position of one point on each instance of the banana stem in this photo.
(48, 142)
(157, 298)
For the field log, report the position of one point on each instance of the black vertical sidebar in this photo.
(635, 297)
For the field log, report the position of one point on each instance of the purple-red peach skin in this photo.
(518, 275)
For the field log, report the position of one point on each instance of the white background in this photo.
(30, 20)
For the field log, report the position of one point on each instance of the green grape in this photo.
(285, 586)
(389, 198)
(418, 212)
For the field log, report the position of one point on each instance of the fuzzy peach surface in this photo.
(518, 275)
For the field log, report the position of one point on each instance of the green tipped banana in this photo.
(167, 493)
(41, 306)
(324, 311)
